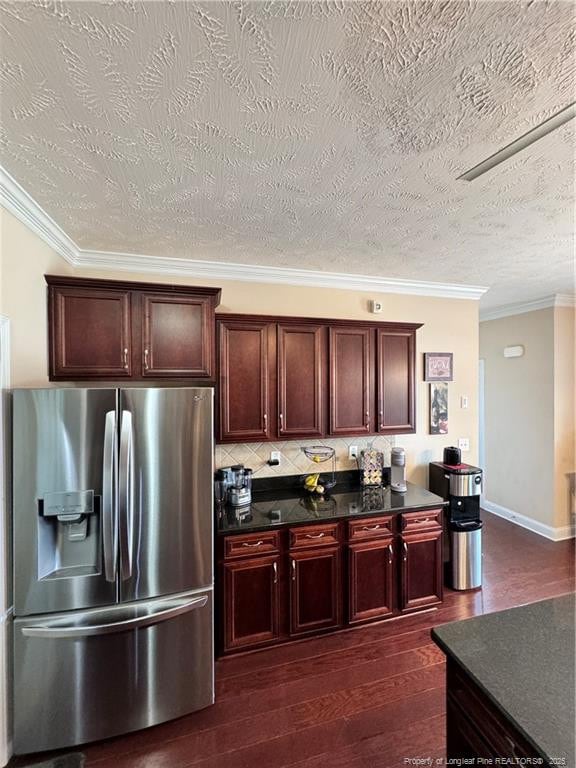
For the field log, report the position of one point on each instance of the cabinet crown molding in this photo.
(132, 285)
(222, 317)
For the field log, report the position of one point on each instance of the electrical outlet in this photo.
(464, 443)
(276, 456)
(353, 452)
(464, 401)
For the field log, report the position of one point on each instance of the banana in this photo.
(311, 481)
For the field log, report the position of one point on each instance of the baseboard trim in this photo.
(554, 534)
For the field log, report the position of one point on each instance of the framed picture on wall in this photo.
(439, 408)
(438, 366)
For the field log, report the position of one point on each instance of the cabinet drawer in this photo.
(251, 544)
(369, 528)
(314, 536)
(421, 521)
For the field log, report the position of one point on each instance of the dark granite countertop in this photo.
(523, 660)
(271, 509)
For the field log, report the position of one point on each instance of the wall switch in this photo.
(275, 456)
(353, 452)
(464, 443)
(463, 401)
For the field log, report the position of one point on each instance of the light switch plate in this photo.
(463, 401)
(276, 456)
(353, 452)
(464, 443)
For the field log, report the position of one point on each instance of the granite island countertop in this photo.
(523, 659)
(272, 509)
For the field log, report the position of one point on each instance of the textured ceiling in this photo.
(319, 135)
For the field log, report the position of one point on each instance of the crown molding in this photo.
(557, 300)
(26, 209)
(221, 270)
(564, 300)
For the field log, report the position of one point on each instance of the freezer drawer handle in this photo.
(177, 608)
(109, 527)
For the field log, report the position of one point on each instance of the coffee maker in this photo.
(398, 470)
(237, 485)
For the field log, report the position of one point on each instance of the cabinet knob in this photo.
(293, 570)
(371, 528)
(405, 548)
(275, 569)
(390, 553)
(125, 358)
(256, 544)
(315, 535)
(281, 421)
(146, 359)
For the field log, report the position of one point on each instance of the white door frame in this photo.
(5, 602)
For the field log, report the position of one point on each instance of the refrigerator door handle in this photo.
(125, 496)
(109, 526)
(63, 628)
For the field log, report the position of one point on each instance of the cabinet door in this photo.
(243, 358)
(90, 333)
(396, 381)
(301, 373)
(372, 586)
(177, 336)
(315, 590)
(421, 569)
(350, 381)
(251, 602)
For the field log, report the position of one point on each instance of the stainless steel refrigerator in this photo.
(113, 561)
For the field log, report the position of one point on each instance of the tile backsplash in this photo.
(293, 461)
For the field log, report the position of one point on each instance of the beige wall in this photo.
(564, 416)
(529, 414)
(24, 259)
(448, 326)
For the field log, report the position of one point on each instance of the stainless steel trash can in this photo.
(466, 555)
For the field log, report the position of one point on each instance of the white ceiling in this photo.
(318, 135)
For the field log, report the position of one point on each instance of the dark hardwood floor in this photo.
(370, 696)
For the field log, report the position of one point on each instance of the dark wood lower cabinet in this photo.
(372, 582)
(421, 569)
(292, 582)
(475, 728)
(315, 591)
(251, 602)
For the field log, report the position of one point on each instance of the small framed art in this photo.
(438, 366)
(439, 408)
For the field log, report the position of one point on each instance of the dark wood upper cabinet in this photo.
(90, 333)
(421, 565)
(109, 329)
(301, 374)
(312, 378)
(396, 358)
(177, 336)
(244, 350)
(351, 380)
